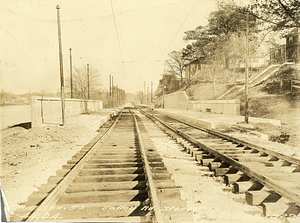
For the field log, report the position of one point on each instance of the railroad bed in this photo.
(268, 178)
(117, 177)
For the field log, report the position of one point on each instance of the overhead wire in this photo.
(115, 61)
(179, 29)
(177, 32)
(117, 33)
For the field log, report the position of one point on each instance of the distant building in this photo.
(192, 69)
(288, 52)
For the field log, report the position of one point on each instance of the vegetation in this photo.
(277, 14)
(281, 82)
(175, 65)
(8, 98)
(85, 82)
(168, 84)
(221, 43)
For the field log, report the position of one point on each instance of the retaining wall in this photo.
(228, 107)
(177, 100)
(180, 100)
(48, 110)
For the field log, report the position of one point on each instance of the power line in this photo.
(116, 61)
(178, 30)
(112, 9)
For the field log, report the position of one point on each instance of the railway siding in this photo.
(268, 178)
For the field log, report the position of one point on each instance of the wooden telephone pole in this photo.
(110, 91)
(61, 70)
(71, 78)
(246, 73)
(88, 79)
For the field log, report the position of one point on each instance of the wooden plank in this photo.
(102, 196)
(91, 210)
(106, 186)
(109, 178)
(62, 186)
(238, 141)
(153, 194)
(291, 195)
(111, 171)
(113, 165)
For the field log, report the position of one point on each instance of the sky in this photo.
(133, 51)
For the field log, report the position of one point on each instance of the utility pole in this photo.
(214, 78)
(88, 79)
(117, 96)
(163, 99)
(110, 91)
(145, 92)
(151, 91)
(246, 73)
(62, 85)
(71, 78)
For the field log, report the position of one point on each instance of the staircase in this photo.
(234, 88)
(258, 79)
(265, 74)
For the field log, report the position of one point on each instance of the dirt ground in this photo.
(283, 107)
(30, 157)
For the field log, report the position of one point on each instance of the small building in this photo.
(192, 69)
(288, 52)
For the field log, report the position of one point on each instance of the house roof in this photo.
(197, 61)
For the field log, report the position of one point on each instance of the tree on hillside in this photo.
(212, 40)
(169, 83)
(279, 14)
(175, 64)
(222, 42)
(82, 81)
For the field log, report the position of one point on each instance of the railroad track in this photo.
(268, 178)
(117, 177)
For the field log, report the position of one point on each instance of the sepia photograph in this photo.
(161, 111)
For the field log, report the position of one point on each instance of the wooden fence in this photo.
(294, 84)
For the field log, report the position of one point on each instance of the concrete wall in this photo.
(48, 110)
(150, 105)
(180, 100)
(228, 107)
(177, 100)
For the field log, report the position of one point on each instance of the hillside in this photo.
(282, 106)
(205, 91)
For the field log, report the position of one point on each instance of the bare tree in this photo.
(85, 81)
(175, 65)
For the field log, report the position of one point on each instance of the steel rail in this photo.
(154, 198)
(60, 188)
(279, 155)
(271, 184)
